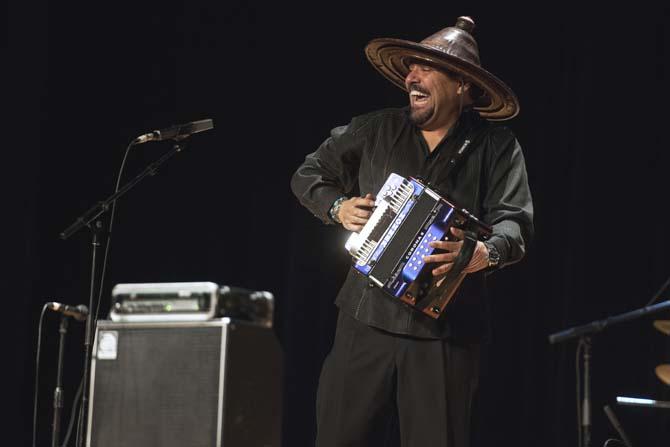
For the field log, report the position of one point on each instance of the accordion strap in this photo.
(461, 261)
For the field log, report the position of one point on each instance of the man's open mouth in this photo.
(418, 97)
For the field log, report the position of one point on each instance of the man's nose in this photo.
(411, 77)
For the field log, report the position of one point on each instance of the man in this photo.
(386, 353)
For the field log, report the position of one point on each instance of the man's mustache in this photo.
(416, 87)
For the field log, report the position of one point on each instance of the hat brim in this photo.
(392, 58)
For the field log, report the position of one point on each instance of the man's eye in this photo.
(420, 67)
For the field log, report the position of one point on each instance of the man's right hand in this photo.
(355, 212)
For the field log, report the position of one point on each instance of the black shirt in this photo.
(490, 181)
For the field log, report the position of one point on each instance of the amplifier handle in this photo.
(461, 261)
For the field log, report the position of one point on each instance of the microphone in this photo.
(178, 132)
(80, 312)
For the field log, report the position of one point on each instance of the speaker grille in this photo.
(161, 390)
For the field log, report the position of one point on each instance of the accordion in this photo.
(389, 250)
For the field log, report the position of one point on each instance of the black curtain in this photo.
(83, 79)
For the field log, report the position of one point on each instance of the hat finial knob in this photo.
(465, 23)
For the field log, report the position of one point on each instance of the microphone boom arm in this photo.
(101, 207)
(598, 325)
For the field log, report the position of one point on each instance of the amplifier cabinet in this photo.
(184, 384)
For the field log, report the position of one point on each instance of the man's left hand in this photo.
(479, 260)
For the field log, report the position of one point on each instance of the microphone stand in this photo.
(58, 392)
(583, 332)
(90, 220)
(600, 325)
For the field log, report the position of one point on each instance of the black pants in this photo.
(369, 374)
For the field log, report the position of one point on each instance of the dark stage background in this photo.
(85, 78)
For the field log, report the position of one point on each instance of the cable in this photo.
(79, 425)
(103, 272)
(73, 413)
(94, 314)
(37, 372)
(109, 233)
(579, 392)
(659, 292)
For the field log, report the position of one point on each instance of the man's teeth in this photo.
(418, 95)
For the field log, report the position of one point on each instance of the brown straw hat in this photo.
(452, 49)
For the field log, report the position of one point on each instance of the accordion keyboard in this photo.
(385, 219)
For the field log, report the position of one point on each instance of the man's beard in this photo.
(420, 117)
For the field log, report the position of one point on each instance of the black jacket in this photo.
(490, 181)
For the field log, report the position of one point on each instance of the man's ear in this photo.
(464, 87)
